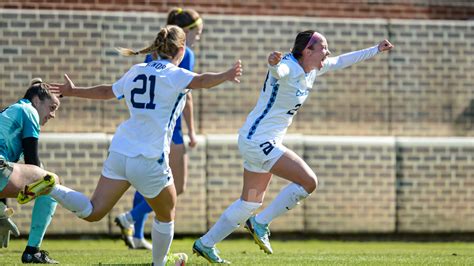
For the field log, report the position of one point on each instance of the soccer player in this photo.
(20, 126)
(155, 94)
(289, 80)
(132, 222)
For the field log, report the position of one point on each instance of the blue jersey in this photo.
(17, 122)
(187, 63)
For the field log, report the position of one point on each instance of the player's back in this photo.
(18, 121)
(155, 96)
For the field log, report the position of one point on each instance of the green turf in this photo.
(245, 252)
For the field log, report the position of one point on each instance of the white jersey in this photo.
(285, 89)
(155, 94)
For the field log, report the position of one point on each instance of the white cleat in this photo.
(141, 243)
(126, 229)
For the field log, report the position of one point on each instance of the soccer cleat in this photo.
(38, 188)
(260, 233)
(141, 243)
(210, 254)
(126, 230)
(177, 259)
(41, 256)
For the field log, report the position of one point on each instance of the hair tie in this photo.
(194, 24)
(35, 81)
(179, 10)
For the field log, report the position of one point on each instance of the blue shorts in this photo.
(178, 133)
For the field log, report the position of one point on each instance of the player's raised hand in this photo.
(274, 58)
(385, 45)
(64, 89)
(234, 72)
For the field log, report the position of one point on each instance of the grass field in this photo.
(245, 252)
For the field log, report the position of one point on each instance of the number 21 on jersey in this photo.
(143, 90)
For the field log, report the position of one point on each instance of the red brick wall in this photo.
(405, 9)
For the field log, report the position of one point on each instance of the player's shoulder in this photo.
(289, 60)
(292, 63)
(23, 106)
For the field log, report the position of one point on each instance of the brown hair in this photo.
(301, 41)
(38, 88)
(167, 43)
(184, 18)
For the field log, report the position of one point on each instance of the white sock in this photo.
(288, 198)
(72, 200)
(236, 214)
(161, 237)
(129, 218)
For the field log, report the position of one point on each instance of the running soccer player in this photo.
(132, 222)
(289, 80)
(155, 94)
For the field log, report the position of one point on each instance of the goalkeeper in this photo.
(20, 125)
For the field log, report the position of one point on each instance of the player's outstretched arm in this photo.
(348, 59)
(101, 92)
(209, 80)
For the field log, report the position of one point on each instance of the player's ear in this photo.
(35, 100)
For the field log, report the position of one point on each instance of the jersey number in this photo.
(294, 110)
(142, 90)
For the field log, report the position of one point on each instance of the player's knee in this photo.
(166, 217)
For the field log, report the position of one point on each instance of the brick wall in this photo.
(435, 181)
(367, 184)
(357, 184)
(406, 9)
(422, 88)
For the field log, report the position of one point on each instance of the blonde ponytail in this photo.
(167, 43)
(126, 51)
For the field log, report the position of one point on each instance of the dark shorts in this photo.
(178, 133)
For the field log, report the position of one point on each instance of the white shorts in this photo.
(146, 175)
(259, 157)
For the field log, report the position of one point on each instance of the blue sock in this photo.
(43, 212)
(140, 214)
